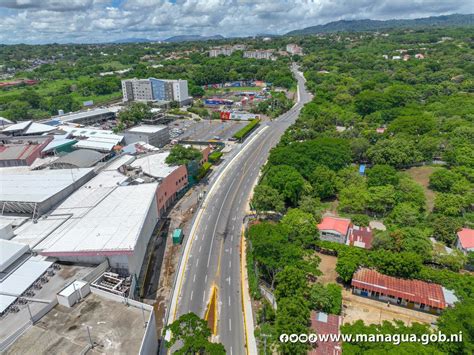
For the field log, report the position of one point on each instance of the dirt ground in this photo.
(421, 174)
(375, 312)
(328, 269)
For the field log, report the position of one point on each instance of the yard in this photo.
(371, 311)
(421, 174)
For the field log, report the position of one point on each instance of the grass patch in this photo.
(421, 174)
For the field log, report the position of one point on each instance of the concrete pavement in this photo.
(212, 252)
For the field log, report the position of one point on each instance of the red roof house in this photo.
(334, 229)
(465, 241)
(360, 237)
(323, 323)
(411, 293)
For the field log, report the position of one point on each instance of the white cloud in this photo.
(33, 21)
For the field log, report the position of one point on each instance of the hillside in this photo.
(373, 25)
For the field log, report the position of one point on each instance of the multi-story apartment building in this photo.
(155, 90)
(259, 54)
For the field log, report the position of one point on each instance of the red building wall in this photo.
(169, 187)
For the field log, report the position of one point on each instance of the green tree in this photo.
(300, 227)
(442, 180)
(135, 113)
(450, 204)
(180, 155)
(380, 175)
(354, 199)
(266, 198)
(323, 181)
(444, 228)
(405, 214)
(287, 181)
(456, 320)
(327, 298)
(291, 282)
(381, 198)
(193, 333)
(396, 152)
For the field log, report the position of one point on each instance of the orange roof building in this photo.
(465, 240)
(415, 294)
(334, 229)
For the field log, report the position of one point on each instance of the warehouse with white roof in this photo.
(20, 192)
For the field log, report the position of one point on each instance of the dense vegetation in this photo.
(69, 75)
(393, 116)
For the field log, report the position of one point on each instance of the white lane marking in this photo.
(204, 297)
(233, 227)
(205, 279)
(231, 350)
(192, 292)
(200, 247)
(230, 324)
(232, 238)
(229, 280)
(197, 262)
(205, 229)
(194, 278)
(229, 300)
(230, 264)
(196, 237)
(217, 220)
(230, 251)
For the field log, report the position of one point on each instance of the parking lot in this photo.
(204, 130)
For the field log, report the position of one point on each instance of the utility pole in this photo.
(265, 336)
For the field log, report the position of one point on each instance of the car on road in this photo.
(217, 138)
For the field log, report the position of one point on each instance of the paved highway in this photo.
(211, 258)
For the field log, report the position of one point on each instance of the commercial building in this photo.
(27, 128)
(413, 294)
(88, 117)
(113, 324)
(80, 158)
(35, 192)
(105, 223)
(101, 140)
(21, 151)
(157, 136)
(334, 229)
(465, 240)
(155, 90)
(326, 324)
(173, 179)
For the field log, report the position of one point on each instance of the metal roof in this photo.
(56, 143)
(80, 158)
(412, 290)
(102, 146)
(71, 117)
(112, 226)
(21, 279)
(147, 129)
(154, 165)
(9, 252)
(36, 185)
(17, 126)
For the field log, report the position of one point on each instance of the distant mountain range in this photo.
(131, 40)
(373, 25)
(193, 38)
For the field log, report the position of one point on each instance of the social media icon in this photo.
(284, 338)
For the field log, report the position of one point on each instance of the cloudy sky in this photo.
(45, 21)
